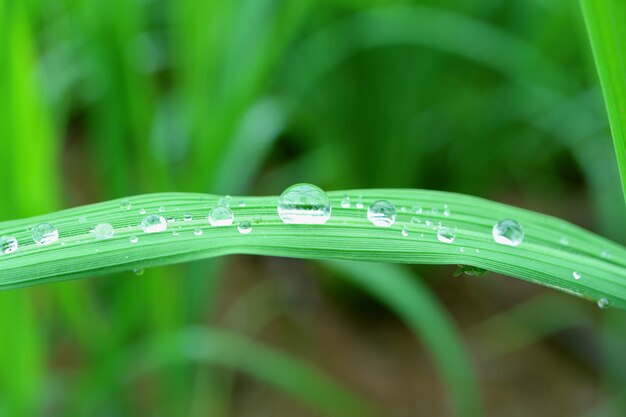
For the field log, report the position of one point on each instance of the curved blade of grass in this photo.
(278, 369)
(347, 235)
(418, 307)
(606, 25)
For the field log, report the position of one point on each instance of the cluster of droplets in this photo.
(301, 204)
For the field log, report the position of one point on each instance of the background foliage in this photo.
(99, 100)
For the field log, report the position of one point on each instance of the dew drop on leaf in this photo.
(603, 302)
(188, 217)
(576, 275)
(125, 205)
(345, 202)
(133, 239)
(103, 231)
(304, 204)
(8, 244)
(445, 234)
(244, 227)
(154, 223)
(508, 232)
(45, 234)
(221, 216)
(381, 213)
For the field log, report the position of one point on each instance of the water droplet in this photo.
(142, 211)
(603, 302)
(242, 203)
(564, 241)
(138, 271)
(103, 231)
(381, 213)
(134, 239)
(45, 234)
(429, 222)
(446, 212)
(198, 232)
(345, 202)
(415, 220)
(576, 275)
(244, 227)
(188, 217)
(125, 205)
(405, 231)
(606, 254)
(462, 250)
(304, 204)
(174, 233)
(417, 209)
(8, 244)
(508, 232)
(224, 201)
(82, 220)
(435, 211)
(221, 216)
(359, 202)
(161, 209)
(154, 223)
(445, 234)
(171, 220)
(403, 209)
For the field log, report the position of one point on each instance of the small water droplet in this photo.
(82, 220)
(381, 213)
(103, 231)
(576, 275)
(198, 232)
(154, 223)
(174, 233)
(476, 250)
(359, 202)
(125, 205)
(415, 220)
(134, 239)
(403, 209)
(508, 232)
(45, 234)
(224, 201)
(417, 209)
(8, 244)
(161, 209)
(446, 212)
(242, 203)
(603, 302)
(138, 271)
(405, 231)
(171, 219)
(564, 241)
(462, 250)
(244, 227)
(429, 222)
(435, 211)
(304, 204)
(345, 202)
(142, 211)
(188, 217)
(606, 254)
(221, 216)
(445, 234)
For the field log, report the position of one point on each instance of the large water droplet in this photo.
(221, 216)
(244, 227)
(154, 223)
(445, 234)
(8, 244)
(381, 213)
(125, 205)
(508, 232)
(45, 234)
(304, 204)
(603, 302)
(576, 274)
(103, 231)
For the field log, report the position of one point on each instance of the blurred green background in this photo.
(495, 98)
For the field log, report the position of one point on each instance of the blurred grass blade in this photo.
(348, 235)
(606, 25)
(278, 369)
(419, 308)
